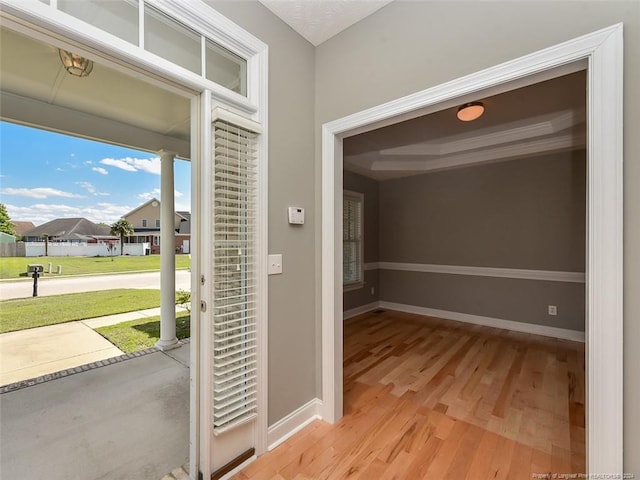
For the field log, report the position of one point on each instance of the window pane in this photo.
(118, 17)
(226, 68)
(172, 40)
(352, 239)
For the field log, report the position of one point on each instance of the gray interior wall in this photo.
(368, 187)
(522, 214)
(292, 335)
(406, 47)
(527, 213)
(504, 298)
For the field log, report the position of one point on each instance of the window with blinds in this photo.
(352, 255)
(234, 278)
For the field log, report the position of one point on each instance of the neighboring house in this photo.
(145, 220)
(22, 227)
(70, 230)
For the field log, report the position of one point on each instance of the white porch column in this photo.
(168, 339)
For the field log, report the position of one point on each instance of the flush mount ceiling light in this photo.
(470, 111)
(75, 64)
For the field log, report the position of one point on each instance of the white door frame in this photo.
(602, 52)
(43, 22)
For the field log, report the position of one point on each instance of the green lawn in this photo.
(143, 333)
(40, 311)
(12, 267)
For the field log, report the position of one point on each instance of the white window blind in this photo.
(234, 278)
(352, 256)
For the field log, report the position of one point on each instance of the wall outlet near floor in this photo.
(553, 310)
(373, 290)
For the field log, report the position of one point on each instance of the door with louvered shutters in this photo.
(233, 289)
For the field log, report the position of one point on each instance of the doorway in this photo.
(603, 51)
(106, 37)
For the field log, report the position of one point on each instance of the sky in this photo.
(46, 175)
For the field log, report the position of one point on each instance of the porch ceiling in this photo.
(108, 105)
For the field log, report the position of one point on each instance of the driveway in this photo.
(57, 286)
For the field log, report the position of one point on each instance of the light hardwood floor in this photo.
(436, 399)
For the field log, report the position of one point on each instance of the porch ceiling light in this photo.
(75, 64)
(470, 111)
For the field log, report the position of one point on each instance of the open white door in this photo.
(229, 291)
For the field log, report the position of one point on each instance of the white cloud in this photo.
(155, 193)
(121, 164)
(183, 207)
(42, 213)
(40, 192)
(149, 165)
(149, 195)
(100, 170)
(87, 186)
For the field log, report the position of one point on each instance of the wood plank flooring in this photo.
(427, 398)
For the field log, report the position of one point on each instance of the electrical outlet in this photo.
(553, 310)
(373, 290)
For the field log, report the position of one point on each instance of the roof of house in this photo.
(69, 229)
(140, 207)
(21, 227)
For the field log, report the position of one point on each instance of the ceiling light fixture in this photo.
(470, 111)
(75, 64)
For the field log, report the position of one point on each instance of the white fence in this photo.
(37, 249)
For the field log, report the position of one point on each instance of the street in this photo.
(57, 286)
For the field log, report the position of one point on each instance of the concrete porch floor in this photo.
(125, 421)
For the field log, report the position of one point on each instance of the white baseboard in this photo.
(293, 423)
(544, 330)
(360, 310)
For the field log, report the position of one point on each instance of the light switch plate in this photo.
(275, 264)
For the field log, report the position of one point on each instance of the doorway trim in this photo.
(602, 52)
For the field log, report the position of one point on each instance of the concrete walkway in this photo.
(89, 283)
(125, 421)
(43, 350)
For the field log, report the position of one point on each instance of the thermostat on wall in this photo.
(296, 215)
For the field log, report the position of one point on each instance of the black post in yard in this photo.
(36, 274)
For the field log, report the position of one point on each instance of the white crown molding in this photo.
(490, 155)
(486, 137)
(516, 273)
